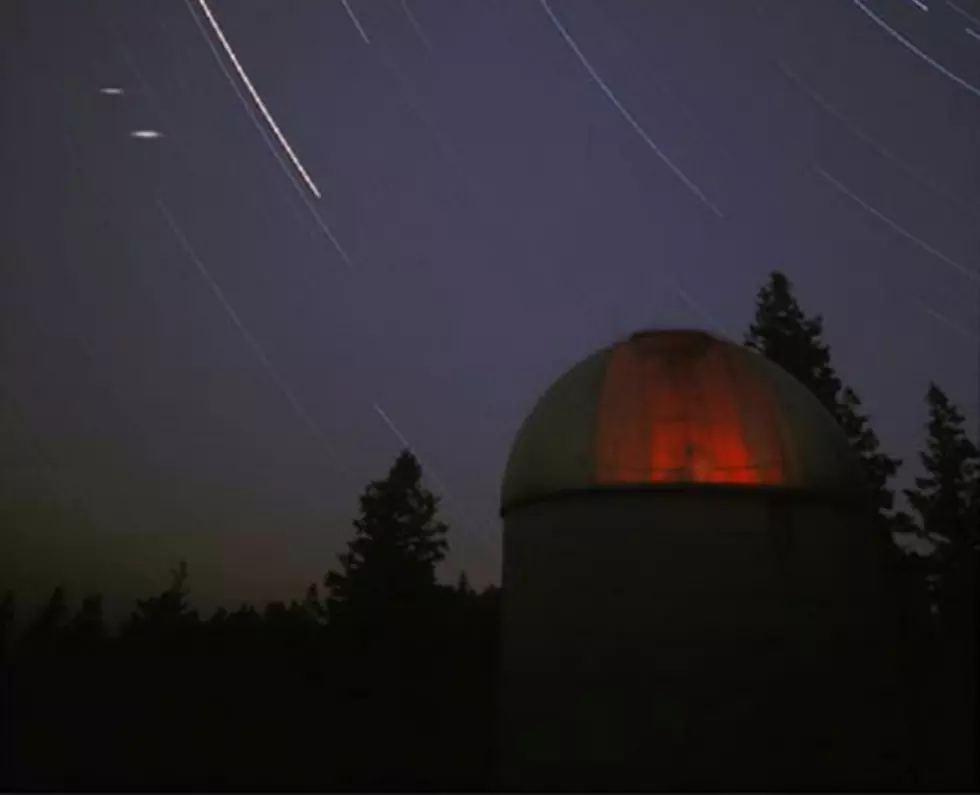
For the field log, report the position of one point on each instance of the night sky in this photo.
(200, 358)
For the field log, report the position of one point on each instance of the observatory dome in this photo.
(666, 408)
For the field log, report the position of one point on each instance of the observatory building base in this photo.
(696, 639)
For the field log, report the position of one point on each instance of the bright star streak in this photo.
(156, 106)
(111, 91)
(972, 33)
(269, 144)
(919, 4)
(415, 25)
(913, 49)
(270, 369)
(436, 480)
(624, 112)
(971, 275)
(401, 438)
(356, 21)
(255, 96)
(146, 134)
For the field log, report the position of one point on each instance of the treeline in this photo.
(935, 594)
(945, 502)
(382, 677)
(384, 682)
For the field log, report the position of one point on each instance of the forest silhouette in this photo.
(383, 677)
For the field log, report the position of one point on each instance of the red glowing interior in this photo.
(672, 411)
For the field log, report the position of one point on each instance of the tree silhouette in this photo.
(164, 619)
(879, 467)
(389, 567)
(386, 617)
(403, 670)
(944, 499)
(785, 335)
(782, 333)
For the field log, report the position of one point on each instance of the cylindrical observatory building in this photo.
(693, 590)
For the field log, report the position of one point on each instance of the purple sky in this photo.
(506, 208)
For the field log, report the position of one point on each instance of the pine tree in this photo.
(382, 608)
(879, 468)
(944, 498)
(390, 564)
(945, 501)
(165, 618)
(783, 334)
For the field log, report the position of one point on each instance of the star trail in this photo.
(258, 100)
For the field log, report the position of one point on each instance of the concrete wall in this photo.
(672, 640)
